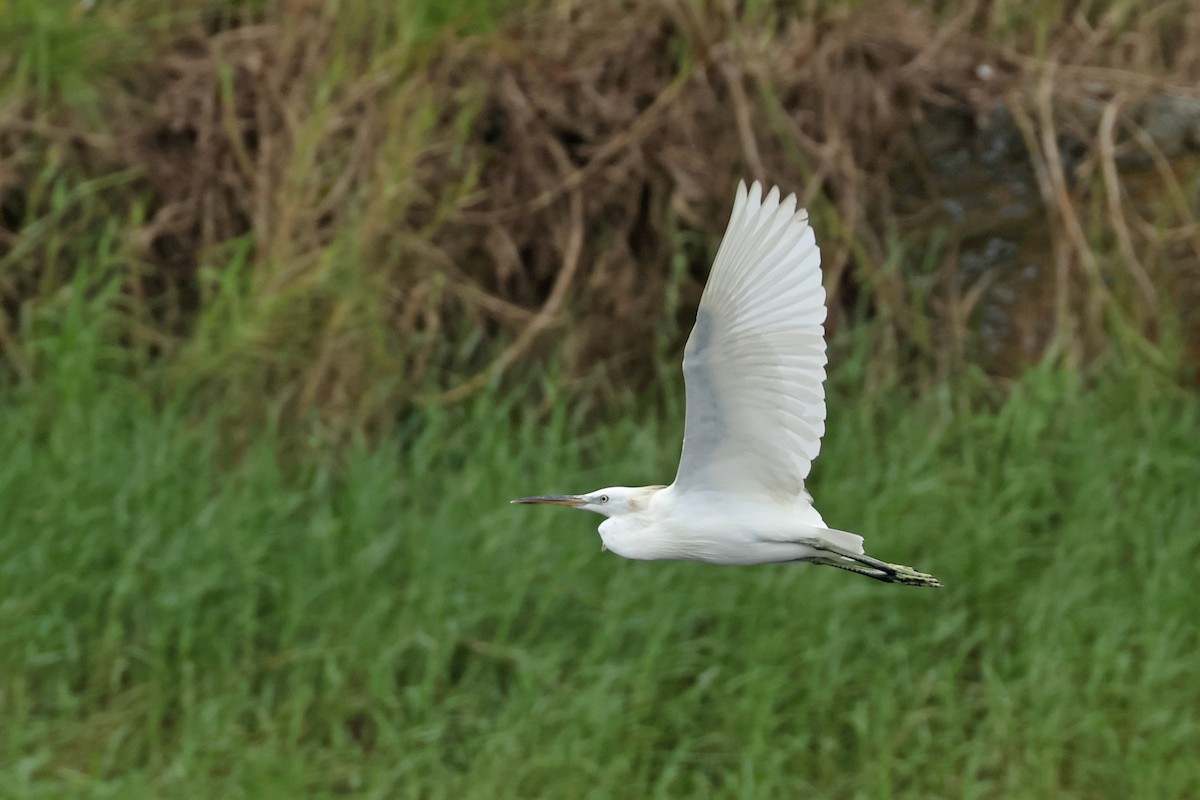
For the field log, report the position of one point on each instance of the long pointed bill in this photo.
(553, 500)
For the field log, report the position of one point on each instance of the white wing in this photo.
(755, 362)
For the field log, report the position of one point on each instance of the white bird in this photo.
(754, 367)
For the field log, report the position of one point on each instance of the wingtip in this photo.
(755, 192)
(788, 205)
(755, 196)
(772, 200)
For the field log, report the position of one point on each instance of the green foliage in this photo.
(53, 53)
(175, 623)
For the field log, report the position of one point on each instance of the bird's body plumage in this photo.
(754, 368)
(719, 528)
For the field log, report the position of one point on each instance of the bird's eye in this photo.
(603, 498)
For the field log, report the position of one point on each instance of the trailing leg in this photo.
(850, 566)
(864, 564)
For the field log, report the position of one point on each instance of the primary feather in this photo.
(754, 364)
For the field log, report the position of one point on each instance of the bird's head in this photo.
(611, 502)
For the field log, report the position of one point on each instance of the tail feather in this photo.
(843, 540)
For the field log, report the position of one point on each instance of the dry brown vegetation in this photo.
(310, 209)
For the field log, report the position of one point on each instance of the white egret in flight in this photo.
(754, 368)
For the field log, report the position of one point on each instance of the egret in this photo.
(754, 369)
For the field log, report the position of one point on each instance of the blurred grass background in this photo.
(294, 296)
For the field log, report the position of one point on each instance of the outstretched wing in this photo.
(755, 362)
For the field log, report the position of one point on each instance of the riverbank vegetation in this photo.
(356, 210)
(294, 296)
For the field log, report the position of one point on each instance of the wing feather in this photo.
(754, 364)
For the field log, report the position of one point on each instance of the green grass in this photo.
(174, 622)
